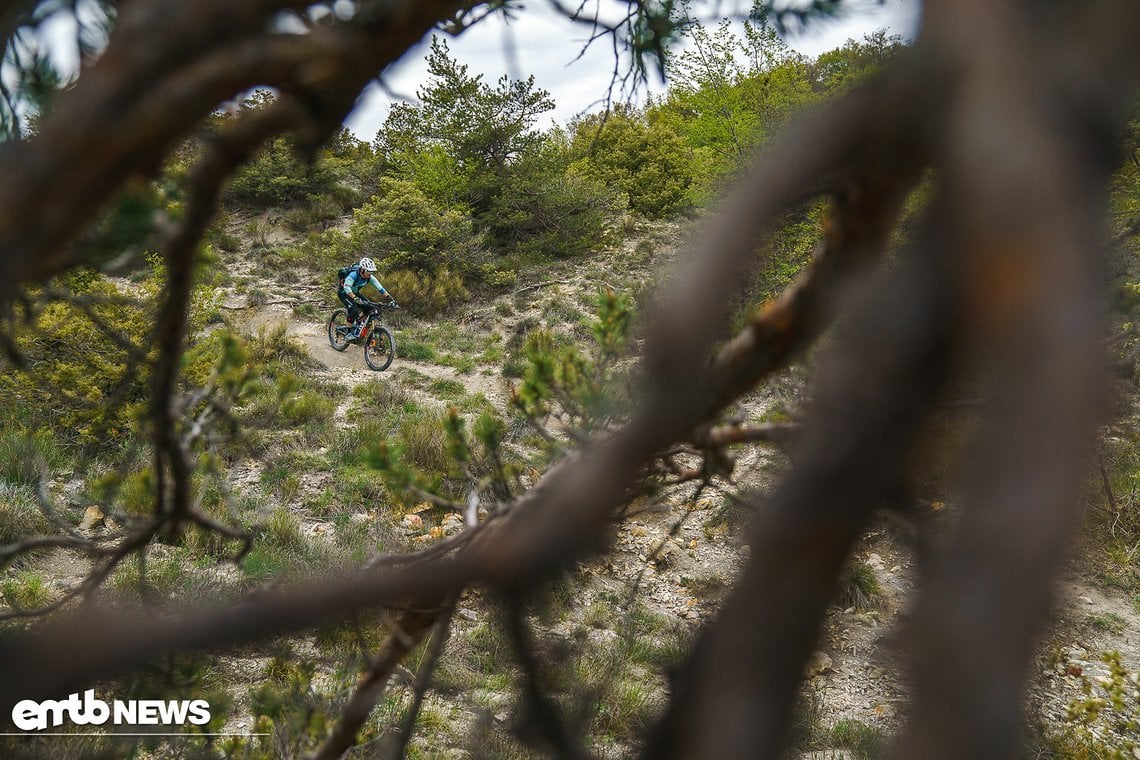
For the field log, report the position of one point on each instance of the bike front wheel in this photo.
(379, 349)
(339, 328)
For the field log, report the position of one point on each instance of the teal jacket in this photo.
(355, 282)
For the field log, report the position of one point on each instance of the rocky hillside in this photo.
(674, 559)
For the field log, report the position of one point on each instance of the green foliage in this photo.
(426, 294)
(271, 386)
(26, 456)
(546, 208)
(1105, 722)
(789, 250)
(730, 93)
(26, 591)
(87, 362)
(287, 702)
(1109, 623)
(305, 407)
(856, 62)
(130, 219)
(480, 127)
(1117, 526)
(646, 160)
(584, 388)
(279, 175)
(473, 149)
(416, 351)
(859, 587)
(402, 228)
(19, 516)
(863, 741)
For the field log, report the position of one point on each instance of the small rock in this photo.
(1085, 599)
(413, 521)
(877, 673)
(874, 560)
(466, 613)
(92, 518)
(818, 664)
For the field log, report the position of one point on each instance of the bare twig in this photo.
(423, 679)
(414, 625)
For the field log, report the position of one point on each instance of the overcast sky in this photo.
(542, 43)
(547, 45)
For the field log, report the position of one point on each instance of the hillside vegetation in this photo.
(523, 257)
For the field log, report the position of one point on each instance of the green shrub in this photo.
(26, 591)
(1105, 721)
(262, 564)
(426, 293)
(19, 516)
(416, 351)
(402, 229)
(80, 362)
(283, 481)
(136, 493)
(865, 742)
(382, 395)
(314, 212)
(25, 457)
(647, 161)
(166, 576)
(279, 176)
(1109, 622)
(423, 442)
(306, 407)
(283, 530)
(859, 587)
(448, 390)
(534, 217)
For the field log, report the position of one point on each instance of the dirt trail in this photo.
(348, 366)
(858, 673)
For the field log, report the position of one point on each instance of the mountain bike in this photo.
(379, 345)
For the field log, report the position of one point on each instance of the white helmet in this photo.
(367, 265)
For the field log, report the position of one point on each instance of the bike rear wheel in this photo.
(379, 349)
(339, 329)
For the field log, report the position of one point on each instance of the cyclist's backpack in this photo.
(343, 272)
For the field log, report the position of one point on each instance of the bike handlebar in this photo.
(376, 306)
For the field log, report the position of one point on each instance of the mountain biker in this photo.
(349, 294)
